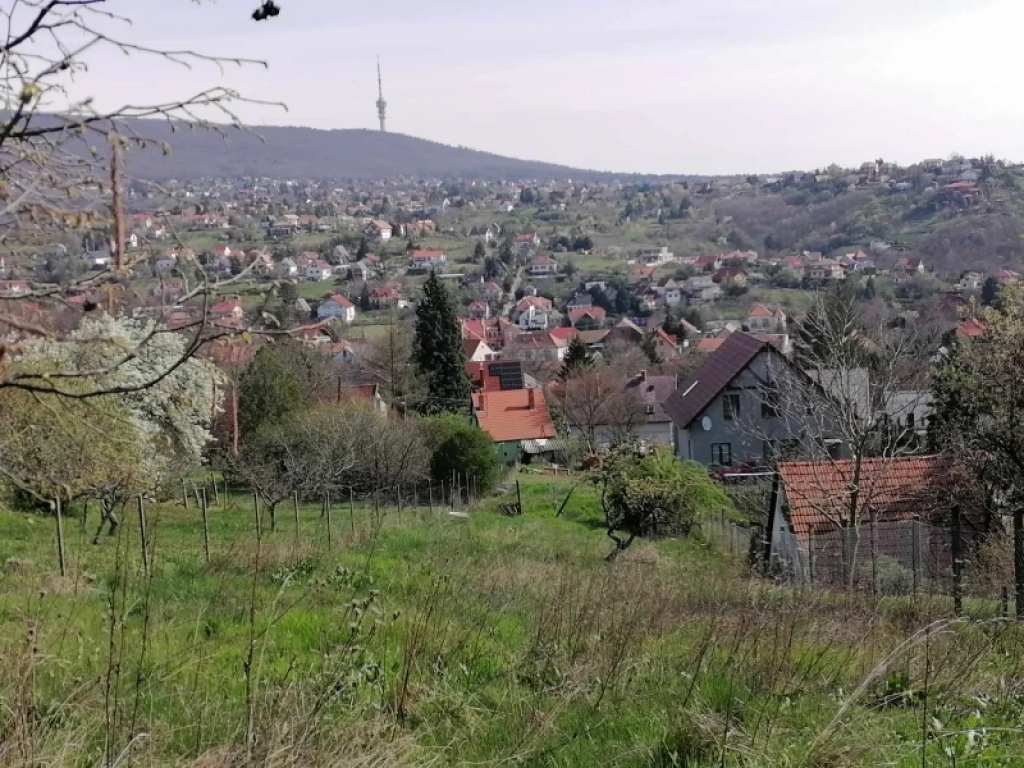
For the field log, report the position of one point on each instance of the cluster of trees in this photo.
(110, 434)
(300, 438)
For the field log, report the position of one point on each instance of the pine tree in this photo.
(363, 249)
(438, 352)
(505, 252)
(479, 252)
(576, 359)
(990, 292)
(364, 299)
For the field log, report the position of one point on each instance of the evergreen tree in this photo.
(671, 325)
(479, 252)
(990, 292)
(363, 249)
(438, 352)
(576, 359)
(622, 301)
(650, 348)
(267, 393)
(505, 252)
(364, 299)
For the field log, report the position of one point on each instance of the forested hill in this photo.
(292, 153)
(957, 214)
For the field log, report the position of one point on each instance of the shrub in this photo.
(462, 448)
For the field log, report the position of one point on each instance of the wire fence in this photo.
(911, 558)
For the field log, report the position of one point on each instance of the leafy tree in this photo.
(570, 269)
(364, 298)
(492, 269)
(438, 352)
(267, 393)
(576, 358)
(655, 495)
(527, 196)
(978, 395)
(650, 348)
(461, 448)
(600, 299)
(479, 252)
(583, 243)
(623, 301)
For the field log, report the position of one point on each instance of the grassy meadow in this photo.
(418, 638)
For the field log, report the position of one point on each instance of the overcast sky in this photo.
(657, 86)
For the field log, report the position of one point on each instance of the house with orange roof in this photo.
(429, 259)
(970, 328)
(477, 351)
(819, 504)
(761, 319)
(513, 417)
(587, 318)
(479, 310)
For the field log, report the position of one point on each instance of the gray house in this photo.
(729, 412)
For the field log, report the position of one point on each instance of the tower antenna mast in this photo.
(382, 106)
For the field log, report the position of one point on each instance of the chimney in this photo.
(643, 376)
(480, 404)
(531, 394)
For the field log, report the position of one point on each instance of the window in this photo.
(730, 407)
(770, 404)
(910, 420)
(721, 454)
(650, 410)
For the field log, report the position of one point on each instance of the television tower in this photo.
(382, 106)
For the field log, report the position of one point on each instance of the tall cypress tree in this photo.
(576, 358)
(438, 351)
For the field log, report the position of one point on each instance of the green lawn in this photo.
(418, 638)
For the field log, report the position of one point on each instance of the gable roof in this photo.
(497, 375)
(508, 416)
(721, 366)
(653, 390)
(896, 488)
(759, 310)
(341, 301)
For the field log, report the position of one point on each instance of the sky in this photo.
(650, 86)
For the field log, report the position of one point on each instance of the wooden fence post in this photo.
(430, 498)
(206, 527)
(352, 509)
(327, 511)
(60, 539)
(142, 537)
(295, 514)
(256, 509)
(184, 492)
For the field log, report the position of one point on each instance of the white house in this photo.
(428, 259)
(337, 308)
(166, 263)
(654, 258)
(380, 229)
(318, 271)
(543, 266)
(287, 268)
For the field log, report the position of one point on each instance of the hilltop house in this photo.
(701, 290)
(337, 307)
(317, 271)
(287, 268)
(537, 346)
(477, 351)
(479, 310)
(587, 318)
(493, 292)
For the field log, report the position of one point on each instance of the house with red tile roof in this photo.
(365, 394)
(537, 346)
(970, 328)
(337, 307)
(497, 375)
(513, 417)
(479, 310)
(587, 318)
(496, 331)
(543, 265)
(760, 319)
(493, 292)
(9, 288)
(823, 506)
(225, 310)
(386, 297)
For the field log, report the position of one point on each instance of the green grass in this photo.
(423, 638)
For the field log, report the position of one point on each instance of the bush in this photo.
(463, 448)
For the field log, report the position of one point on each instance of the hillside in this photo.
(290, 152)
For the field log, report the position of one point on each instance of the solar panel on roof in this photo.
(509, 374)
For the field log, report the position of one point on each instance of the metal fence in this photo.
(885, 558)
